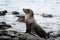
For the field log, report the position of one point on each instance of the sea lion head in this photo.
(28, 11)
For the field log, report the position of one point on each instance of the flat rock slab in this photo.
(27, 36)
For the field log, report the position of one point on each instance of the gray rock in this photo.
(8, 34)
(15, 12)
(27, 36)
(2, 13)
(5, 38)
(47, 15)
(21, 18)
(3, 25)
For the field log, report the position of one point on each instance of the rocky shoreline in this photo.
(14, 35)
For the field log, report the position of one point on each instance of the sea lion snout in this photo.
(28, 12)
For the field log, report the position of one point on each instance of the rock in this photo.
(3, 25)
(3, 32)
(15, 12)
(12, 33)
(2, 13)
(57, 35)
(16, 38)
(5, 38)
(27, 36)
(47, 15)
(51, 38)
(18, 15)
(21, 18)
(6, 34)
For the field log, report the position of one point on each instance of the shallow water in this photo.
(39, 7)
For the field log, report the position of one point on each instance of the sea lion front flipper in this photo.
(33, 31)
(34, 34)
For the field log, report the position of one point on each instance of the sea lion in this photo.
(32, 26)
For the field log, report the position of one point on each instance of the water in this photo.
(39, 7)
